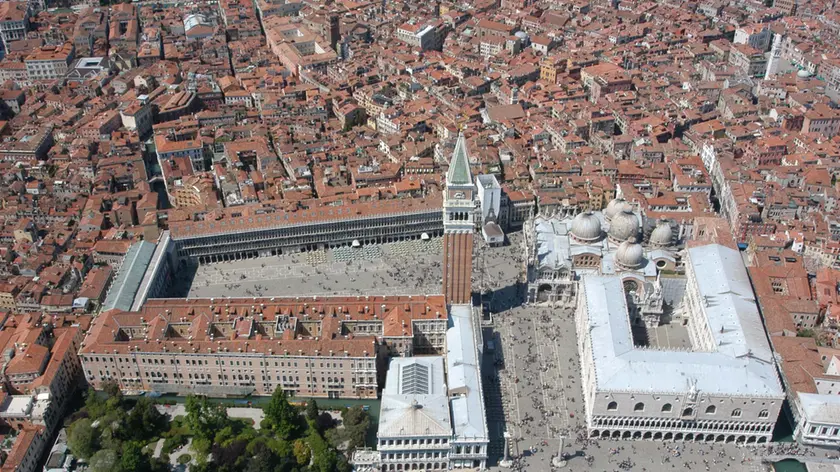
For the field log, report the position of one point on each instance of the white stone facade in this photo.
(725, 389)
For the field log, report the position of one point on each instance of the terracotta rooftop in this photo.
(233, 325)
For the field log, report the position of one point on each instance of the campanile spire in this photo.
(458, 226)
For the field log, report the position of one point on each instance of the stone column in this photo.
(506, 462)
(558, 460)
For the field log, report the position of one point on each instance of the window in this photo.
(736, 413)
(763, 414)
(666, 408)
(612, 406)
(688, 412)
(710, 410)
(639, 407)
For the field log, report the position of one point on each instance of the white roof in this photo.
(487, 181)
(823, 409)
(464, 375)
(552, 243)
(19, 405)
(740, 364)
(414, 401)
(195, 19)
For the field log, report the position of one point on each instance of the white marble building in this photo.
(819, 421)
(560, 249)
(434, 418)
(725, 388)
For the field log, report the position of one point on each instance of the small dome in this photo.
(624, 225)
(586, 227)
(630, 254)
(662, 235)
(803, 74)
(614, 206)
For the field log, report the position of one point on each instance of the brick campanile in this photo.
(458, 227)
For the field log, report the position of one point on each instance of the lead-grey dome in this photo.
(629, 254)
(624, 225)
(662, 235)
(586, 227)
(614, 206)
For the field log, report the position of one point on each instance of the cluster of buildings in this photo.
(712, 377)
(40, 374)
(137, 139)
(334, 347)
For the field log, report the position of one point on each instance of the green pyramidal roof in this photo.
(459, 166)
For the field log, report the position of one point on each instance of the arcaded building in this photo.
(253, 231)
(311, 347)
(724, 388)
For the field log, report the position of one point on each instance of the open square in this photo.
(399, 268)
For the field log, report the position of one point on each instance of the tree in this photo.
(343, 465)
(145, 421)
(112, 389)
(134, 459)
(82, 438)
(94, 405)
(324, 422)
(105, 460)
(324, 458)
(108, 438)
(205, 419)
(284, 418)
(280, 447)
(230, 457)
(263, 461)
(202, 447)
(312, 410)
(302, 452)
(356, 424)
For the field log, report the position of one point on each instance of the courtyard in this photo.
(400, 268)
(671, 336)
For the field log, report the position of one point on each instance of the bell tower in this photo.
(458, 227)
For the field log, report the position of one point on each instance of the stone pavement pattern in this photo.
(400, 268)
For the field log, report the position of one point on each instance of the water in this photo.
(789, 465)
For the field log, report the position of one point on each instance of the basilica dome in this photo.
(586, 227)
(662, 235)
(630, 254)
(624, 225)
(614, 206)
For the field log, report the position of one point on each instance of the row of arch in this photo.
(265, 244)
(658, 435)
(667, 408)
(677, 424)
(415, 466)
